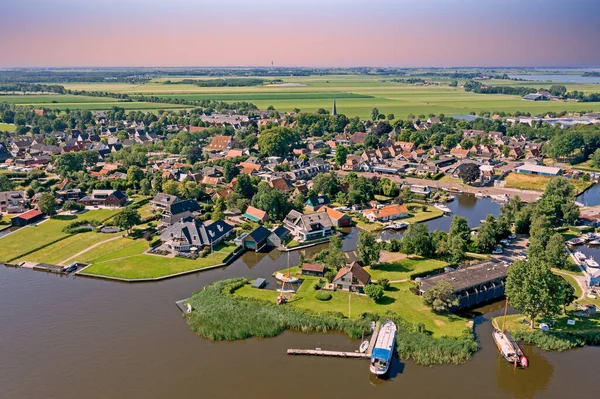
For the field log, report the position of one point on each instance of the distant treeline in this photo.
(31, 87)
(591, 74)
(61, 76)
(232, 82)
(555, 90)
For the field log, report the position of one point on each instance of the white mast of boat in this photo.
(504, 319)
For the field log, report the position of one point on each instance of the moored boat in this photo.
(580, 256)
(480, 195)
(575, 241)
(507, 346)
(594, 242)
(500, 198)
(384, 349)
(363, 347)
(398, 225)
(286, 278)
(590, 262)
(442, 208)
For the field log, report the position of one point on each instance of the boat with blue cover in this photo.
(383, 350)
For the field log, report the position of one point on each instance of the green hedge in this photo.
(323, 295)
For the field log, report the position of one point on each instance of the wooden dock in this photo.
(182, 305)
(351, 355)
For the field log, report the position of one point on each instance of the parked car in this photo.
(70, 268)
(498, 251)
(512, 236)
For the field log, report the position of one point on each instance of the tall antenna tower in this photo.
(271, 66)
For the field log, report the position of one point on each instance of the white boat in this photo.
(398, 225)
(480, 195)
(580, 256)
(442, 208)
(507, 346)
(590, 262)
(286, 278)
(363, 347)
(384, 349)
(594, 242)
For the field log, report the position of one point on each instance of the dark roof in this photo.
(281, 231)
(119, 194)
(313, 267)
(183, 206)
(260, 234)
(217, 229)
(320, 200)
(467, 277)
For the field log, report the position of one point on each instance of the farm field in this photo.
(64, 101)
(356, 95)
(26, 239)
(538, 183)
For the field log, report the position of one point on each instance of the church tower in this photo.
(334, 109)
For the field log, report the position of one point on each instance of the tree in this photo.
(219, 210)
(469, 173)
(71, 205)
(277, 141)
(531, 288)
(68, 163)
(555, 254)
(5, 183)
(368, 248)
(47, 204)
(274, 202)
(540, 229)
(374, 291)
(244, 186)
(326, 183)
(390, 117)
(127, 218)
(374, 114)
(134, 176)
(384, 283)
(595, 158)
(486, 236)
(189, 190)
(460, 227)
(170, 187)
(341, 154)
(440, 297)
(417, 240)
(230, 171)
(335, 258)
(145, 187)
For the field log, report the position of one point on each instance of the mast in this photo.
(504, 319)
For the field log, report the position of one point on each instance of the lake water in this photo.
(558, 78)
(464, 205)
(76, 337)
(591, 196)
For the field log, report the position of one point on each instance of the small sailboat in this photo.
(286, 278)
(384, 349)
(508, 347)
(442, 208)
(363, 347)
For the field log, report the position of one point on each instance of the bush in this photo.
(322, 295)
(374, 291)
(155, 243)
(330, 275)
(384, 283)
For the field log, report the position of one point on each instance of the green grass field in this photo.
(140, 266)
(538, 183)
(29, 238)
(356, 95)
(399, 299)
(7, 127)
(402, 269)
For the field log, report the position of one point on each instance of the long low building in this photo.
(532, 169)
(474, 284)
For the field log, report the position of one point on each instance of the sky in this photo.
(311, 33)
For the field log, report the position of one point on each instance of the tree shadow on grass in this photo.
(64, 217)
(386, 300)
(393, 267)
(392, 289)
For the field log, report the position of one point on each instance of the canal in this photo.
(591, 196)
(75, 337)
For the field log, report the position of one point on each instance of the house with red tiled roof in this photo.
(219, 143)
(358, 138)
(339, 219)
(459, 153)
(387, 213)
(280, 184)
(211, 181)
(256, 215)
(406, 145)
(27, 218)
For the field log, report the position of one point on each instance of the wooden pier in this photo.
(351, 355)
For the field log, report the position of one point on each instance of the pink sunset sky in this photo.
(400, 33)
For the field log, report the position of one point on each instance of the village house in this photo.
(387, 213)
(280, 184)
(531, 169)
(459, 153)
(257, 239)
(313, 269)
(308, 227)
(219, 143)
(111, 198)
(339, 219)
(256, 215)
(351, 278)
(315, 202)
(13, 201)
(189, 235)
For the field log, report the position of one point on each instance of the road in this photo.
(525, 195)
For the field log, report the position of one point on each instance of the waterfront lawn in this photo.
(416, 214)
(403, 269)
(113, 250)
(399, 299)
(519, 323)
(144, 266)
(538, 183)
(63, 250)
(29, 238)
(587, 166)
